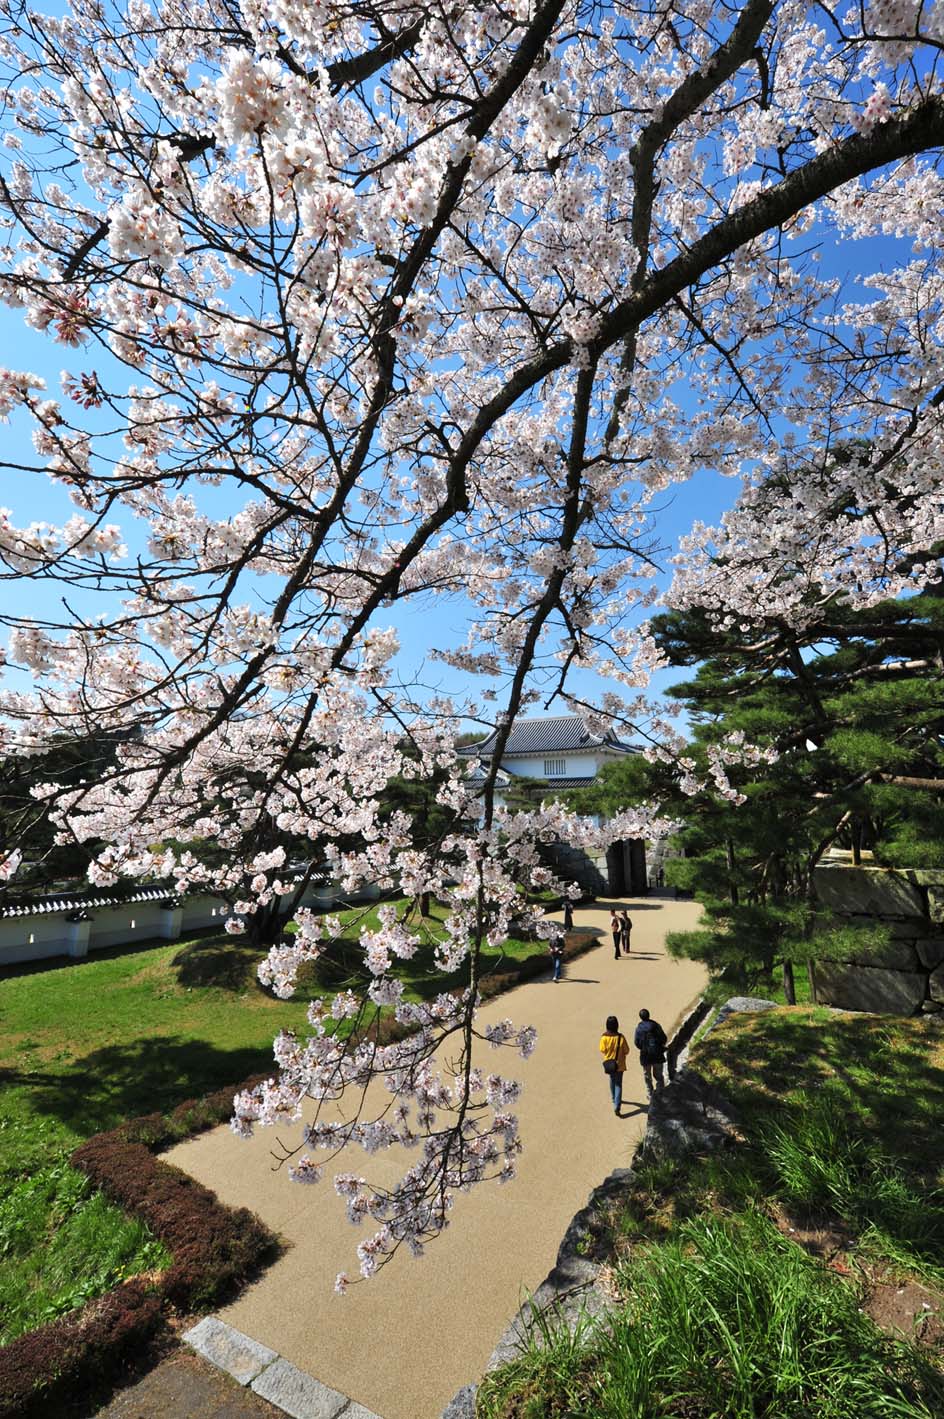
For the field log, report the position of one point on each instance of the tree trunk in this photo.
(732, 884)
(266, 924)
(789, 988)
(424, 904)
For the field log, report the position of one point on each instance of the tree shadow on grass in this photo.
(341, 967)
(118, 1082)
(879, 1080)
(225, 963)
(891, 1069)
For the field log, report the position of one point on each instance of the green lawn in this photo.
(85, 1045)
(720, 1313)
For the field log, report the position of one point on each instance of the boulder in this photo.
(870, 988)
(931, 953)
(462, 1405)
(867, 891)
(689, 1116)
(936, 985)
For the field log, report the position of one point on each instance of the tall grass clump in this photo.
(821, 1163)
(727, 1320)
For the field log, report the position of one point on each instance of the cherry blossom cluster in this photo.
(367, 307)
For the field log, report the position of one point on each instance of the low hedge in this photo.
(214, 1248)
(45, 1368)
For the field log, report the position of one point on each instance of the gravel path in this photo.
(405, 1342)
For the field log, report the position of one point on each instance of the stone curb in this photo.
(270, 1376)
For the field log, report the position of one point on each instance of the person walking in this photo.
(614, 1048)
(650, 1041)
(616, 927)
(568, 914)
(556, 949)
(626, 926)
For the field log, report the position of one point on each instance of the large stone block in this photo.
(931, 952)
(298, 1394)
(229, 1349)
(869, 988)
(936, 984)
(906, 928)
(867, 891)
(897, 954)
(936, 903)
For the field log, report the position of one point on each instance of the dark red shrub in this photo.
(74, 1353)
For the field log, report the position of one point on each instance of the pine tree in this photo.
(854, 708)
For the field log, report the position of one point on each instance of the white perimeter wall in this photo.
(43, 934)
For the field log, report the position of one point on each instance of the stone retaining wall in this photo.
(905, 976)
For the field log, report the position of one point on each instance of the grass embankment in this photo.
(86, 1045)
(752, 1284)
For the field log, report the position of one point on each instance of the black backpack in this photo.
(653, 1042)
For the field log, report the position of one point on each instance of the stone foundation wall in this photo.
(906, 975)
(574, 865)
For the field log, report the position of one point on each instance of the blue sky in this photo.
(432, 621)
(421, 624)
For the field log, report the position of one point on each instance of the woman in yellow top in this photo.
(614, 1049)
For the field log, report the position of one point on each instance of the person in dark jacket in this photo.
(568, 914)
(650, 1041)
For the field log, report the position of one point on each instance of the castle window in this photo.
(555, 768)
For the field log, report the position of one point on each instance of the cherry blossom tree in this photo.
(374, 303)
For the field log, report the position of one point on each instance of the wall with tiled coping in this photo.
(73, 926)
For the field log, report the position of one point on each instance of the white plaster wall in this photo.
(198, 912)
(576, 765)
(48, 933)
(51, 932)
(119, 926)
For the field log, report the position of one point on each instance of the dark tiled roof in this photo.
(46, 906)
(564, 734)
(50, 906)
(541, 785)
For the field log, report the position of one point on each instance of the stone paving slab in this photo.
(298, 1394)
(185, 1386)
(230, 1350)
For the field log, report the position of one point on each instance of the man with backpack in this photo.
(650, 1041)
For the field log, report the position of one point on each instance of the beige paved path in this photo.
(403, 1343)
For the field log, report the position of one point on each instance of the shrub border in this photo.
(215, 1248)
